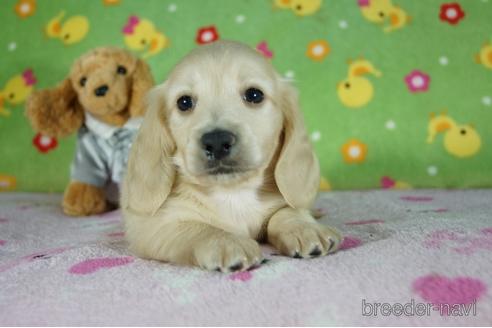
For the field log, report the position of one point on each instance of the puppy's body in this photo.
(222, 160)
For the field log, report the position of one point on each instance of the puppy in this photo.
(221, 161)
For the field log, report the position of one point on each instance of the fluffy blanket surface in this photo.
(403, 250)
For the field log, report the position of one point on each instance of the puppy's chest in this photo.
(241, 210)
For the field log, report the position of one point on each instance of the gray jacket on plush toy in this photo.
(102, 151)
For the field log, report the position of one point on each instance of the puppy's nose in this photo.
(101, 91)
(217, 144)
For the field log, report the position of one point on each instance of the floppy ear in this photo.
(297, 170)
(55, 112)
(142, 82)
(150, 173)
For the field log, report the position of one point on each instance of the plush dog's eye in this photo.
(253, 95)
(82, 81)
(121, 70)
(185, 103)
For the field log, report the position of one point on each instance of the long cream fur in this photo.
(175, 212)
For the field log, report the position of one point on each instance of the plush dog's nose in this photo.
(101, 91)
(217, 144)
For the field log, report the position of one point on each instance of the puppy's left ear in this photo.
(142, 82)
(150, 173)
(297, 171)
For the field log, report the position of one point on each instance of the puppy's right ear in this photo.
(55, 112)
(150, 174)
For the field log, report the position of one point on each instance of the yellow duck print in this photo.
(460, 140)
(7, 182)
(299, 7)
(16, 90)
(356, 90)
(141, 35)
(73, 30)
(484, 57)
(382, 12)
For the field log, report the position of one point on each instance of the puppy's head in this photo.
(222, 106)
(220, 118)
(108, 81)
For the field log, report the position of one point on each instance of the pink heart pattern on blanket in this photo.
(440, 290)
(93, 265)
(417, 198)
(350, 242)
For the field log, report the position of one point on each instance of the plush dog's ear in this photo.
(150, 173)
(142, 82)
(55, 112)
(297, 169)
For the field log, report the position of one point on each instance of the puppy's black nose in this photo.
(101, 91)
(217, 144)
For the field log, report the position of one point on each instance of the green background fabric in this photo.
(395, 157)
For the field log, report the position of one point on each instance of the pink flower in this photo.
(387, 182)
(417, 81)
(263, 48)
(130, 25)
(29, 78)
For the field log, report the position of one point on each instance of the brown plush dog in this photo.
(102, 99)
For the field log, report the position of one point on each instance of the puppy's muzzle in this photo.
(218, 144)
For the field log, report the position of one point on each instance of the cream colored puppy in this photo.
(221, 161)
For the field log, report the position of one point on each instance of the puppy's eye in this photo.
(185, 103)
(121, 70)
(83, 81)
(253, 95)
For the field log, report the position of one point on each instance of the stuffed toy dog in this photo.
(102, 100)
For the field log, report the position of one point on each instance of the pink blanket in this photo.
(408, 258)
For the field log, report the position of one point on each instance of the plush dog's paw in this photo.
(306, 239)
(227, 253)
(81, 199)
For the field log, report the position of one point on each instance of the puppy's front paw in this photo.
(227, 253)
(306, 239)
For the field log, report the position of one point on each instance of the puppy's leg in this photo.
(296, 233)
(193, 243)
(82, 199)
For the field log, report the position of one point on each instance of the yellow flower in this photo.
(25, 8)
(354, 151)
(317, 50)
